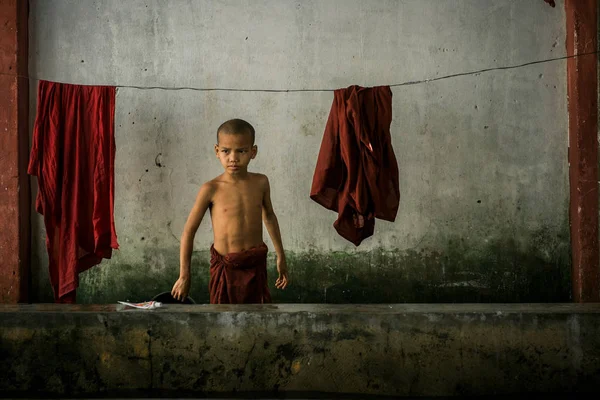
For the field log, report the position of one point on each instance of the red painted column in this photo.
(14, 147)
(582, 91)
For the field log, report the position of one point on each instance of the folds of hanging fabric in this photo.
(357, 173)
(72, 155)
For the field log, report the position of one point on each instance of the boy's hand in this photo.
(181, 288)
(282, 281)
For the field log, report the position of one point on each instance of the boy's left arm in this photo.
(270, 220)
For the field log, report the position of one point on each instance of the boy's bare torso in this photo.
(236, 212)
(239, 202)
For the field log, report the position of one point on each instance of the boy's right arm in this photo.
(182, 286)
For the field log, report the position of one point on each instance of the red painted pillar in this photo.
(582, 91)
(14, 147)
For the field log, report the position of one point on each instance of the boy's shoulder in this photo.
(210, 187)
(257, 177)
(261, 181)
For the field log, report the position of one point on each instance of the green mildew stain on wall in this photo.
(499, 271)
(114, 281)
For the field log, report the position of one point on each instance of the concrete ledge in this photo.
(396, 350)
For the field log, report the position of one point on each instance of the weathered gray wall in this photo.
(400, 350)
(483, 158)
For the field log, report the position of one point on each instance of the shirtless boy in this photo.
(239, 203)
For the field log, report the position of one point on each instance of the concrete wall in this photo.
(483, 158)
(401, 350)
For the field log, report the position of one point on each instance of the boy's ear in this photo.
(217, 150)
(254, 151)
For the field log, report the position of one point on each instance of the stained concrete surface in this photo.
(482, 158)
(279, 350)
(568, 396)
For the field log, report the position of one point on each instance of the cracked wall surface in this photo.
(400, 350)
(482, 158)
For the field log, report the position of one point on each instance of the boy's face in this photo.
(235, 152)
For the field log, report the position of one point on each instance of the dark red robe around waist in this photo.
(239, 278)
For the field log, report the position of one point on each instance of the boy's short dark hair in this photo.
(236, 127)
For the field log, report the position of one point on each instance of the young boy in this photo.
(239, 202)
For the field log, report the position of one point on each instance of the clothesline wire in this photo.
(407, 83)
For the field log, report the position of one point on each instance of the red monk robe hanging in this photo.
(72, 154)
(357, 173)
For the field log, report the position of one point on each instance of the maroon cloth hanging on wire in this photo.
(357, 173)
(72, 155)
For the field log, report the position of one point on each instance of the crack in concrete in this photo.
(171, 231)
(149, 332)
(249, 355)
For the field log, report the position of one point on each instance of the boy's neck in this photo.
(240, 176)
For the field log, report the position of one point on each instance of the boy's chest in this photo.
(235, 198)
